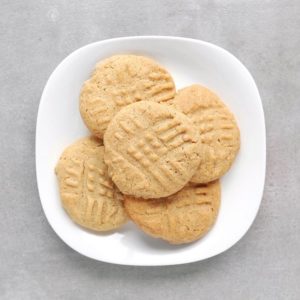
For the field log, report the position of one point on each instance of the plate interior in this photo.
(189, 61)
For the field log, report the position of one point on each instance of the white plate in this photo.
(189, 61)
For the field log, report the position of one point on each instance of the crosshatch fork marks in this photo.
(97, 190)
(146, 135)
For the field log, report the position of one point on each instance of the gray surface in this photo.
(36, 35)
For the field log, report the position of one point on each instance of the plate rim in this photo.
(158, 37)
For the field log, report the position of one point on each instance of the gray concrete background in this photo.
(36, 35)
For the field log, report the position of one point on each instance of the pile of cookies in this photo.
(155, 155)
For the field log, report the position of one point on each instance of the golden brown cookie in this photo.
(180, 218)
(218, 130)
(151, 150)
(118, 81)
(87, 194)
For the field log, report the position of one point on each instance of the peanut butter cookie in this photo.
(181, 218)
(118, 81)
(151, 150)
(218, 130)
(87, 193)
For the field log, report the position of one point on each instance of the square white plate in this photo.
(189, 61)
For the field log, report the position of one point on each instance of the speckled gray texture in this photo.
(36, 35)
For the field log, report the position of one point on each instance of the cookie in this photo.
(181, 218)
(118, 81)
(87, 194)
(217, 127)
(151, 150)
